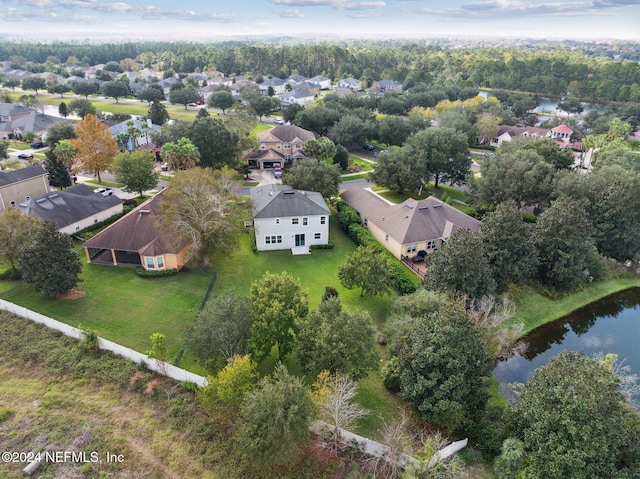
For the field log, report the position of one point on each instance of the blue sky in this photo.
(191, 19)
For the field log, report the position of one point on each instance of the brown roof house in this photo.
(279, 146)
(136, 240)
(409, 227)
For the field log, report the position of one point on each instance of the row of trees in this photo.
(276, 315)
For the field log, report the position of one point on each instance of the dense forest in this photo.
(586, 71)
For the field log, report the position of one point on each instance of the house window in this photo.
(278, 146)
(263, 146)
(317, 236)
(277, 221)
(95, 220)
(287, 157)
(366, 222)
(287, 146)
(13, 203)
(295, 221)
(150, 263)
(298, 145)
(305, 221)
(323, 220)
(273, 239)
(160, 262)
(431, 244)
(77, 227)
(411, 248)
(386, 237)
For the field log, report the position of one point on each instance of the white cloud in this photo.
(292, 13)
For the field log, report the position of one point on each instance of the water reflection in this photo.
(611, 325)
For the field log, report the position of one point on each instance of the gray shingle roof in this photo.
(286, 134)
(412, 221)
(69, 206)
(7, 178)
(277, 201)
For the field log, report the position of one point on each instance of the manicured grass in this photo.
(250, 183)
(18, 145)
(534, 309)
(103, 183)
(237, 269)
(259, 128)
(122, 307)
(166, 177)
(364, 165)
(360, 176)
(398, 198)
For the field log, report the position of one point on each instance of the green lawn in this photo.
(364, 165)
(103, 183)
(122, 307)
(18, 145)
(360, 176)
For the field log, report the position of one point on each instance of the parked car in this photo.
(25, 156)
(278, 121)
(165, 167)
(104, 191)
(369, 147)
(37, 144)
(277, 171)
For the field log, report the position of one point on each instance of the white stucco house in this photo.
(297, 96)
(284, 218)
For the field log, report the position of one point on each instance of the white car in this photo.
(104, 191)
(279, 121)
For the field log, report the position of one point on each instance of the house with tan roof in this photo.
(21, 185)
(278, 146)
(411, 226)
(136, 239)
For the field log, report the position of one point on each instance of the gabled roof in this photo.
(122, 127)
(277, 201)
(66, 207)
(412, 221)
(137, 232)
(285, 134)
(23, 174)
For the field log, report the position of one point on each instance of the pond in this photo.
(611, 325)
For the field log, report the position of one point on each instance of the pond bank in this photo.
(534, 309)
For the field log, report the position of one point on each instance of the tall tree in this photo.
(444, 367)
(313, 175)
(220, 331)
(63, 109)
(322, 149)
(461, 266)
(368, 269)
(334, 340)
(85, 88)
(58, 131)
(82, 108)
(202, 208)
(217, 145)
(509, 246)
(341, 158)
(95, 146)
(58, 173)
(49, 263)
(274, 423)
(184, 96)
(440, 153)
(396, 171)
(573, 422)
(34, 83)
(4, 148)
(136, 171)
(115, 89)
(158, 113)
(277, 303)
(150, 94)
(564, 242)
(222, 99)
(17, 233)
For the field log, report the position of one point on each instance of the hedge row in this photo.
(349, 220)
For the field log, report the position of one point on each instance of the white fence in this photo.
(160, 367)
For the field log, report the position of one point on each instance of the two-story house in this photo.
(279, 146)
(22, 185)
(285, 218)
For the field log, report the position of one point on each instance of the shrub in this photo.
(400, 278)
(391, 375)
(11, 275)
(143, 273)
(529, 217)
(347, 216)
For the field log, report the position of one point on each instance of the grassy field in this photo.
(120, 306)
(363, 164)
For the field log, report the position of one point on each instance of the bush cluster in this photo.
(143, 273)
(350, 222)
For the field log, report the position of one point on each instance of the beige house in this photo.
(136, 240)
(279, 146)
(410, 227)
(21, 185)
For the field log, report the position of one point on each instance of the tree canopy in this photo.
(17, 233)
(136, 171)
(313, 175)
(94, 145)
